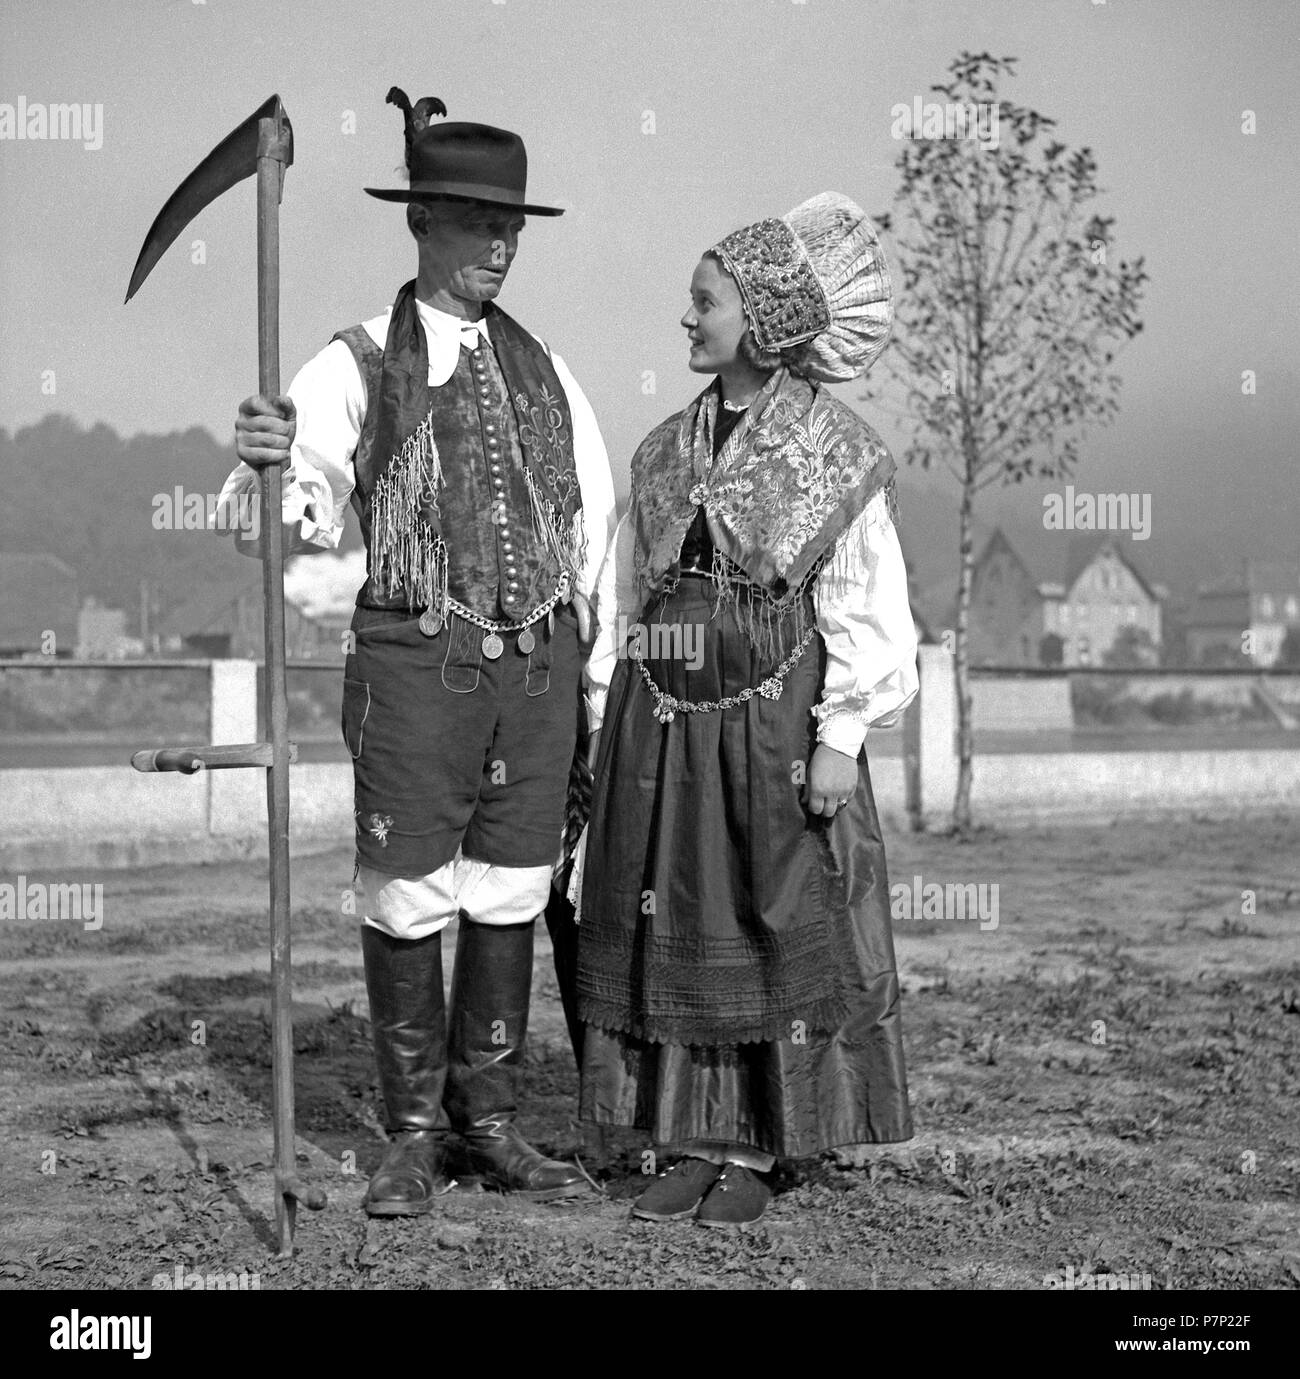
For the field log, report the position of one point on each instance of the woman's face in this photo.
(715, 320)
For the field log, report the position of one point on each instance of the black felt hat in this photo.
(473, 162)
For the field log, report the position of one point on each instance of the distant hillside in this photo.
(87, 496)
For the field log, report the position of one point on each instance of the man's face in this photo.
(466, 248)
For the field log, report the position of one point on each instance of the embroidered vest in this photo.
(501, 547)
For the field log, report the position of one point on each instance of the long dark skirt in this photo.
(736, 973)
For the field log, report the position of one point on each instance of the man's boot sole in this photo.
(545, 1194)
(390, 1207)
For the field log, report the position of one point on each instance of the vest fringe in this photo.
(407, 552)
(566, 541)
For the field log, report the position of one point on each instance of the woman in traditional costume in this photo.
(736, 975)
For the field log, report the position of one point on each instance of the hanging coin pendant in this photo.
(430, 623)
(493, 646)
(550, 623)
(526, 642)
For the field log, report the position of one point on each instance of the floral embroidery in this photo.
(788, 482)
(791, 477)
(379, 826)
(543, 431)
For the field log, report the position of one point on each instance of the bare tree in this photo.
(1010, 309)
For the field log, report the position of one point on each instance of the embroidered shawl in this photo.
(791, 478)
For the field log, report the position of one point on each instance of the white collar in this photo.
(443, 332)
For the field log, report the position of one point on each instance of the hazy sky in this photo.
(756, 105)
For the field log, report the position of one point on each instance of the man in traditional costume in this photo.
(735, 974)
(482, 486)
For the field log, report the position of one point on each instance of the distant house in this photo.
(227, 622)
(1006, 609)
(1264, 600)
(38, 606)
(102, 634)
(1069, 616)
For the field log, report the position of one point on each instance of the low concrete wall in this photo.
(1105, 785)
(109, 816)
(112, 816)
(1079, 786)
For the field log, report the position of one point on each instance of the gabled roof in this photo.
(1055, 564)
(998, 542)
(1084, 549)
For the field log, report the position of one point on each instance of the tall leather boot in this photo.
(490, 991)
(409, 1022)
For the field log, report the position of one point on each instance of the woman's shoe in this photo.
(677, 1191)
(738, 1198)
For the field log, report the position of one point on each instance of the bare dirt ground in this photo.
(1106, 1081)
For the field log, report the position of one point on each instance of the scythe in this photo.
(262, 144)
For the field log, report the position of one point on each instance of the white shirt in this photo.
(863, 615)
(330, 396)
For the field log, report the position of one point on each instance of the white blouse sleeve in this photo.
(865, 619)
(330, 397)
(615, 597)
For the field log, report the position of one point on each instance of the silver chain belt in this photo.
(667, 707)
(431, 622)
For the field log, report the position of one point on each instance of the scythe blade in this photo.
(233, 159)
